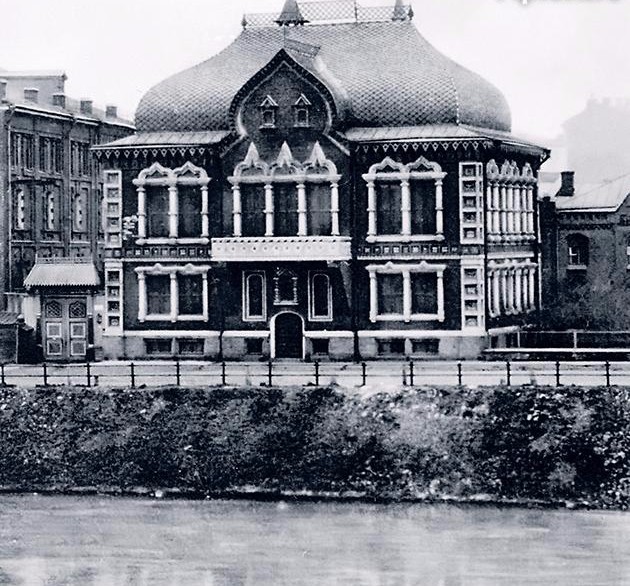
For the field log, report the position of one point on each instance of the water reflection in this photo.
(103, 541)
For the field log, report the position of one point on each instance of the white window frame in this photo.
(158, 176)
(172, 271)
(311, 298)
(420, 170)
(406, 270)
(245, 296)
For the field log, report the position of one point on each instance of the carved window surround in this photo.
(172, 271)
(317, 169)
(157, 175)
(406, 270)
(390, 170)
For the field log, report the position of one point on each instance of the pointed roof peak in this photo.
(291, 14)
(401, 11)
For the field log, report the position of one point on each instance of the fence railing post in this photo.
(178, 377)
(270, 373)
(404, 375)
(363, 374)
(88, 373)
(508, 373)
(4, 381)
(317, 373)
(223, 374)
(557, 373)
(460, 375)
(607, 373)
(45, 372)
(132, 373)
(411, 373)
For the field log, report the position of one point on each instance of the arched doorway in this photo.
(288, 336)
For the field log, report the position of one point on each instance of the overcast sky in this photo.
(548, 57)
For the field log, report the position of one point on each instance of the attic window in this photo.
(268, 110)
(301, 112)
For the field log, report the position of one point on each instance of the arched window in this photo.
(254, 297)
(320, 297)
(577, 251)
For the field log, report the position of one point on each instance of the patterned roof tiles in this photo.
(381, 74)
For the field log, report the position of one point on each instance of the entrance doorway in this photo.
(288, 336)
(65, 329)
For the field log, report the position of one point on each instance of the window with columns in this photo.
(287, 198)
(511, 287)
(406, 292)
(172, 204)
(405, 201)
(510, 202)
(173, 293)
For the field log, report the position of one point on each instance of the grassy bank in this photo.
(538, 443)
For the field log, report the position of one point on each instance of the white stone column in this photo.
(204, 293)
(205, 223)
(510, 210)
(440, 295)
(142, 297)
(510, 290)
(496, 295)
(373, 296)
(525, 288)
(407, 296)
(301, 209)
(532, 288)
(489, 212)
(405, 206)
(518, 290)
(268, 209)
(172, 212)
(371, 209)
(504, 291)
(142, 212)
(174, 297)
(334, 208)
(439, 207)
(496, 209)
(237, 210)
(524, 212)
(517, 211)
(503, 211)
(530, 210)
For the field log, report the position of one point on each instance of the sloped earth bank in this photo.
(526, 445)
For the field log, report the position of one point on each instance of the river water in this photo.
(87, 541)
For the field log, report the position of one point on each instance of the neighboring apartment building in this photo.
(50, 209)
(329, 185)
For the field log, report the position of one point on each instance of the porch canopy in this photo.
(62, 272)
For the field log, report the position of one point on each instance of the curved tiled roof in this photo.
(381, 74)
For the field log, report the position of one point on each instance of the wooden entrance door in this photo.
(288, 336)
(65, 328)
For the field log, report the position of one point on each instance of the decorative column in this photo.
(439, 207)
(510, 290)
(237, 210)
(518, 290)
(496, 209)
(172, 211)
(530, 210)
(142, 297)
(204, 293)
(532, 287)
(503, 210)
(496, 293)
(504, 290)
(205, 224)
(334, 208)
(174, 297)
(524, 212)
(489, 213)
(301, 209)
(373, 296)
(440, 295)
(525, 288)
(510, 210)
(371, 208)
(268, 209)
(405, 206)
(142, 212)
(407, 296)
(517, 211)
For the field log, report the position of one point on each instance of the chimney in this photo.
(567, 187)
(31, 94)
(59, 100)
(3, 89)
(86, 107)
(111, 111)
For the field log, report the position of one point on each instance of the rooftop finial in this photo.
(291, 14)
(400, 11)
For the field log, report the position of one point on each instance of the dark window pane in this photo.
(158, 294)
(320, 296)
(252, 210)
(422, 207)
(424, 293)
(388, 203)
(578, 248)
(318, 205)
(285, 209)
(190, 294)
(189, 198)
(157, 211)
(390, 294)
(255, 296)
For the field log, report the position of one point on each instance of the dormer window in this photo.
(268, 110)
(302, 112)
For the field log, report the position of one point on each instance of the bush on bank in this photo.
(507, 443)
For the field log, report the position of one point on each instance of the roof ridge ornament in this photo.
(402, 12)
(291, 14)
